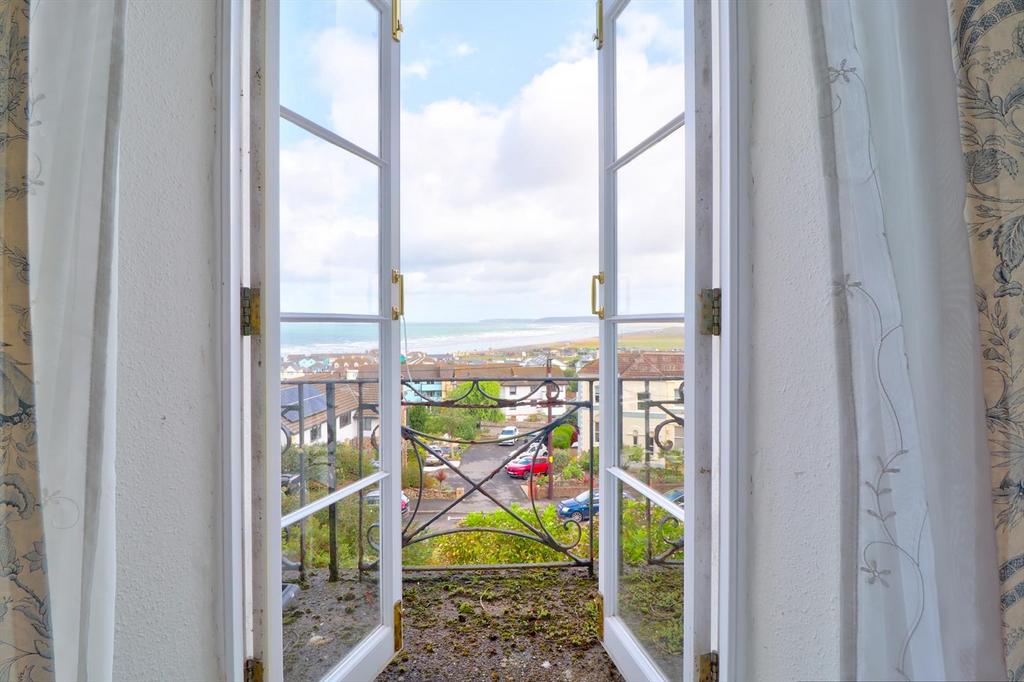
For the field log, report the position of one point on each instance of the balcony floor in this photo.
(501, 625)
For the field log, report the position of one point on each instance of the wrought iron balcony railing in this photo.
(329, 438)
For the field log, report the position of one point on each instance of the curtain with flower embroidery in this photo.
(988, 50)
(26, 641)
(922, 569)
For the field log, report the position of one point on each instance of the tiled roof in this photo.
(642, 365)
(314, 398)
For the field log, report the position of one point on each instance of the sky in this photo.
(499, 158)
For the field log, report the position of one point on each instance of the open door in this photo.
(325, 482)
(655, 444)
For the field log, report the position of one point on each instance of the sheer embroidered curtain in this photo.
(74, 90)
(923, 567)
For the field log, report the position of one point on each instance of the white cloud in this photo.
(420, 69)
(464, 50)
(499, 204)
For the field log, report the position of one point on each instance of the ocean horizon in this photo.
(308, 338)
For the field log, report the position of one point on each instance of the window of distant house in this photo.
(314, 432)
(512, 390)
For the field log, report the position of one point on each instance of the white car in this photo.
(509, 435)
(533, 450)
(373, 499)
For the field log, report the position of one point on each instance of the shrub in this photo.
(485, 547)
(561, 437)
(562, 459)
(572, 471)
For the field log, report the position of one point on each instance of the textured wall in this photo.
(167, 537)
(792, 607)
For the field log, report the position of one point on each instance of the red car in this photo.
(520, 467)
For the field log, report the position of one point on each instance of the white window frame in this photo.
(719, 570)
(249, 139)
(230, 202)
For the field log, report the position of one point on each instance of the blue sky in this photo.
(499, 157)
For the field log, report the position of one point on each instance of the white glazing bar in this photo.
(329, 136)
(669, 318)
(659, 135)
(343, 318)
(334, 497)
(648, 492)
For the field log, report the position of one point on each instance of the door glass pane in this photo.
(650, 85)
(329, 227)
(650, 371)
(330, 600)
(650, 598)
(330, 66)
(334, 369)
(651, 229)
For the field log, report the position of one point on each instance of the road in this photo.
(478, 461)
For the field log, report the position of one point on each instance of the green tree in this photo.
(571, 372)
(468, 393)
(418, 416)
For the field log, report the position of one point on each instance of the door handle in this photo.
(398, 278)
(594, 308)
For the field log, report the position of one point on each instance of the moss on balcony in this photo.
(501, 625)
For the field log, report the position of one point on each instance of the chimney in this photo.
(351, 373)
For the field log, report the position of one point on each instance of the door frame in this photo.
(714, 366)
(258, 487)
(232, 176)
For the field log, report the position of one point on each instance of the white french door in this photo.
(655, 445)
(324, 236)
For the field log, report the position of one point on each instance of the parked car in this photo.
(509, 435)
(289, 481)
(578, 508)
(373, 498)
(676, 495)
(533, 450)
(520, 466)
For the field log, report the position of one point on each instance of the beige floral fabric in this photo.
(25, 637)
(988, 47)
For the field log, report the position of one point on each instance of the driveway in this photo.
(478, 461)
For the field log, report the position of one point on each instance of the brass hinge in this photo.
(250, 311)
(253, 670)
(599, 32)
(707, 667)
(600, 615)
(711, 312)
(396, 20)
(398, 625)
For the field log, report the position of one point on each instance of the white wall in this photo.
(167, 433)
(792, 562)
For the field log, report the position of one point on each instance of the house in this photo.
(307, 421)
(651, 386)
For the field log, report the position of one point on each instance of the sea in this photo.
(436, 337)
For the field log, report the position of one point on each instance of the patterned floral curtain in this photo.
(25, 636)
(988, 47)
